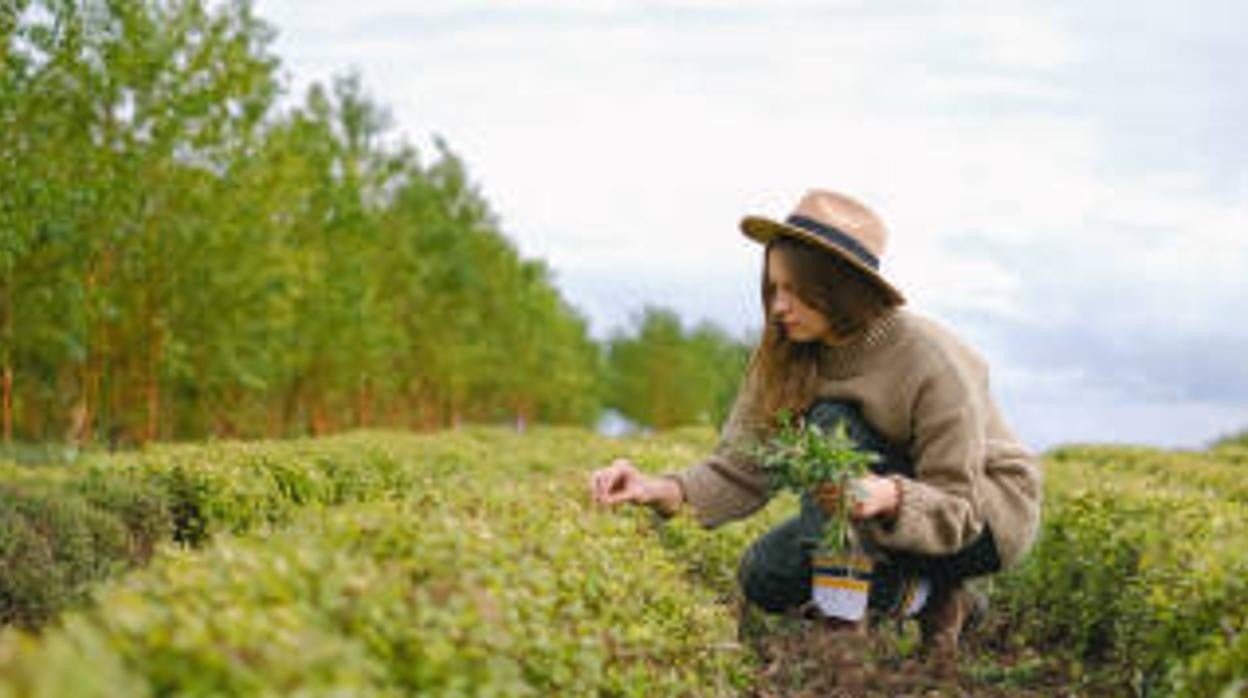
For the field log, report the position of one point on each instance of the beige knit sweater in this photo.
(923, 390)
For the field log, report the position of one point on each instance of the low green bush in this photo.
(188, 493)
(52, 546)
(515, 587)
(139, 505)
(470, 563)
(70, 525)
(1139, 570)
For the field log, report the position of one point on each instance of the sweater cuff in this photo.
(664, 511)
(927, 521)
(907, 522)
(715, 498)
(698, 485)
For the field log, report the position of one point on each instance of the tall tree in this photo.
(178, 257)
(663, 376)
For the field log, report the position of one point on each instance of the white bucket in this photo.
(841, 583)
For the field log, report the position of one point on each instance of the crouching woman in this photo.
(953, 493)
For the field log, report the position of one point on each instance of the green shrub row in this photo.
(1221, 471)
(64, 527)
(56, 538)
(513, 587)
(1140, 572)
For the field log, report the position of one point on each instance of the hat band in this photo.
(835, 237)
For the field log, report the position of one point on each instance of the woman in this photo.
(954, 493)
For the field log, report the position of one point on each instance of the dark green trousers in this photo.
(775, 571)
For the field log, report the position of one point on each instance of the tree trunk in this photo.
(152, 430)
(152, 389)
(364, 404)
(290, 403)
(6, 398)
(275, 417)
(150, 204)
(319, 418)
(82, 415)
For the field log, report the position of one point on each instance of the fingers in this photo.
(864, 497)
(606, 479)
(627, 490)
(858, 510)
(867, 496)
(603, 482)
(614, 483)
(861, 501)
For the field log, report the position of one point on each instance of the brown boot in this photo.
(947, 614)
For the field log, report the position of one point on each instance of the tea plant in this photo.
(804, 457)
(515, 586)
(470, 563)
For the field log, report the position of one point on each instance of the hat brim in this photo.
(764, 230)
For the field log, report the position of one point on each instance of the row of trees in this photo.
(663, 375)
(181, 256)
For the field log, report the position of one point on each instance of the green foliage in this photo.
(189, 493)
(64, 530)
(52, 545)
(663, 376)
(1236, 440)
(451, 586)
(140, 507)
(711, 557)
(471, 563)
(30, 454)
(180, 258)
(131, 503)
(800, 458)
(1139, 571)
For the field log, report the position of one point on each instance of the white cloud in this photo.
(1010, 152)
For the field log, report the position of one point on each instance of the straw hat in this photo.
(836, 223)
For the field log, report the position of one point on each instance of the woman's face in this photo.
(801, 322)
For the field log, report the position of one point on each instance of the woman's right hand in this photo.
(622, 483)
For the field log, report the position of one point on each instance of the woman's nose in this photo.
(781, 302)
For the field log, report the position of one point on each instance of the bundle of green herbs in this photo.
(802, 457)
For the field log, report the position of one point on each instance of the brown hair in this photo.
(847, 298)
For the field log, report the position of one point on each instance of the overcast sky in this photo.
(1066, 183)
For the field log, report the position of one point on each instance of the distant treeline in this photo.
(182, 256)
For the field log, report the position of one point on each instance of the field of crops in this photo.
(472, 563)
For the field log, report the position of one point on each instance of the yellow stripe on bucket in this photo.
(842, 583)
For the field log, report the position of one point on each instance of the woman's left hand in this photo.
(872, 495)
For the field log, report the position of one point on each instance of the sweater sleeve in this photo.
(940, 510)
(728, 485)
